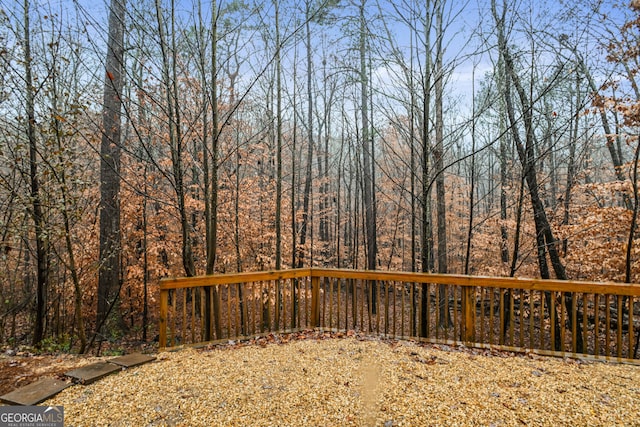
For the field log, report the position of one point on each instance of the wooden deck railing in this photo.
(578, 319)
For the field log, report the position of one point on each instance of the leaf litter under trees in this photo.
(320, 378)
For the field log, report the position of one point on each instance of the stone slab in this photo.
(131, 360)
(35, 392)
(90, 373)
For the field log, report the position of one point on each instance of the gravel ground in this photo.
(313, 381)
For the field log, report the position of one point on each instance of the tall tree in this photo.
(211, 154)
(306, 195)
(278, 60)
(169, 53)
(110, 149)
(368, 188)
(42, 251)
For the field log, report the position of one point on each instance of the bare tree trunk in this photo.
(306, 195)
(438, 155)
(573, 137)
(634, 215)
(427, 231)
(110, 247)
(367, 161)
(504, 184)
(472, 184)
(42, 251)
(64, 188)
(278, 219)
(212, 201)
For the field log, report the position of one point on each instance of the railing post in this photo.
(315, 301)
(469, 314)
(164, 311)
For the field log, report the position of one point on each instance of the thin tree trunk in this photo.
(278, 219)
(62, 176)
(634, 215)
(438, 154)
(306, 196)
(367, 162)
(473, 176)
(573, 138)
(42, 263)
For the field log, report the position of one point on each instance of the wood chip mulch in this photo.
(322, 379)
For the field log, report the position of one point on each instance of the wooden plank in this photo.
(133, 359)
(35, 392)
(91, 373)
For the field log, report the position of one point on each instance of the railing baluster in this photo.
(193, 315)
(512, 318)
(402, 308)
(596, 327)
(521, 310)
(457, 328)
(362, 299)
(482, 314)
(437, 310)
(542, 317)
(237, 308)
(531, 318)
(227, 287)
(631, 329)
(552, 315)
(203, 319)
(427, 294)
(502, 317)
(491, 292)
(574, 323)
(393, 315)
(585, 324)
(331, 283)
(620, 322)
(385, 290)
(377, 297)
(563, 321)
(184, 314)
(174, 298)
(445, 311)
(315, 302)
(347, 301)
(339, 299)
(607, 325)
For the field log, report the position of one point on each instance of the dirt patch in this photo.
(23, 368)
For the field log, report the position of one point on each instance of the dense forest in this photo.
(141, 140)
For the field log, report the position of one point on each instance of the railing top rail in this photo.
(231, 278)
(612, 288)
(485, 281)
